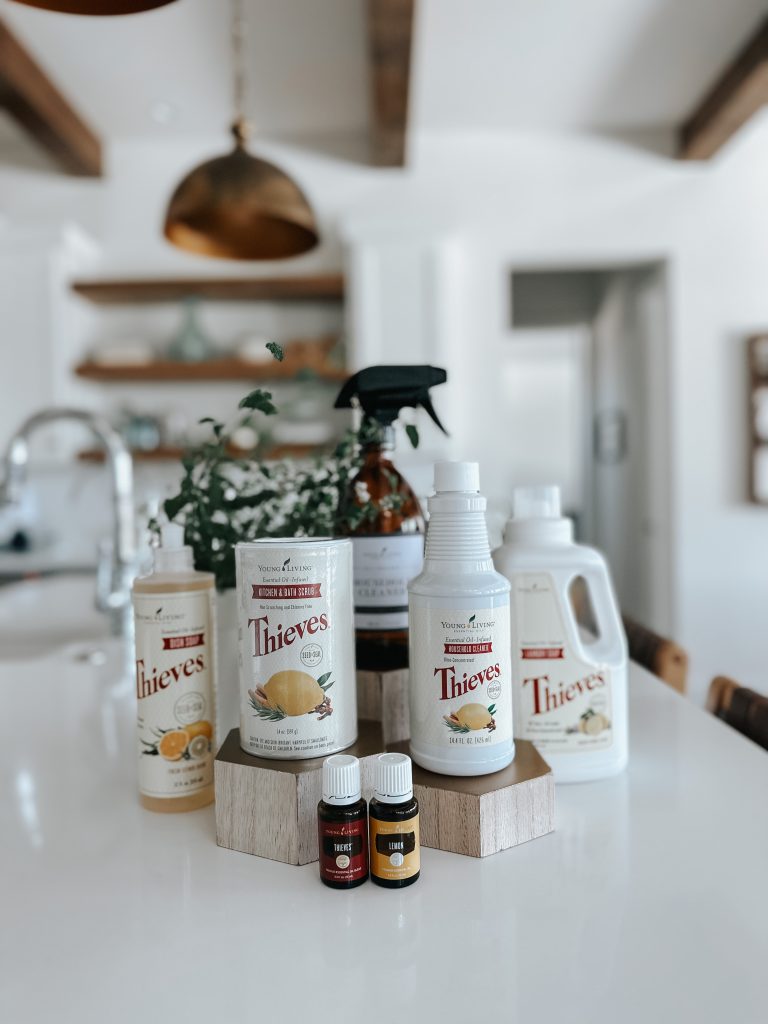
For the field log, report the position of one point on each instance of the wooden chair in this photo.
(742, 708)
(663, 657)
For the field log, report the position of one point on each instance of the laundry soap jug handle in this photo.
(610, 645)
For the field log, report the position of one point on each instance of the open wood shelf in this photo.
(167, 453)
(225, 368)
(162, 454)
(314, 288)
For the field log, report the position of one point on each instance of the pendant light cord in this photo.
(239, 83)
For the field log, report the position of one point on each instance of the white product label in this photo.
(174, 689)
(461, 690)
(562, 703)
(297, 669)
(384, 565)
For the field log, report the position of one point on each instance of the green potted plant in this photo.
(226, 497)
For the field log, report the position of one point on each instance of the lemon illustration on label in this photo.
(199, 729)
(593, 723)
(199, 746)
(291, 693)
(470, 717)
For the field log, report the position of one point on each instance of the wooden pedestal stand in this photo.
(383, 697)
(484, 814)
(269, 808)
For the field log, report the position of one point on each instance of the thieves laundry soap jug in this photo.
(460, 651)
(570, 686)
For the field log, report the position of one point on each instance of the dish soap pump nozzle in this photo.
(173, 555)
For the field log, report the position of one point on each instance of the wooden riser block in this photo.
(268, 807)
(383, 697)
(484, 814)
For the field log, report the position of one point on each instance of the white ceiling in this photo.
(306, 65)
(488, 64)
(573, 63)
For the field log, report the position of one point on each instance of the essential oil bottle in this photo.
(342, 824)
(394, 824)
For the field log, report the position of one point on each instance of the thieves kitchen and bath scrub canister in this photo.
(296, 641)
(461, 673)
(342, 824)
(394, 824)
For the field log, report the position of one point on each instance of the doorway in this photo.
(588, 349)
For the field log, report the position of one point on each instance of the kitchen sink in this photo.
(44, 614)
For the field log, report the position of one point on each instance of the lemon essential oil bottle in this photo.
(394, 824)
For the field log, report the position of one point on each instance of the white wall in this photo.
(472, 209)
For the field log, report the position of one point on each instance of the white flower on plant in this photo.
(362, 493)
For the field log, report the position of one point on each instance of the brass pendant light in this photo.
(97, 7)
(237, 206)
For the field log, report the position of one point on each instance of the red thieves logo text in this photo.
(451, 687)
(147, 685)
(549, 698)
(266, 641)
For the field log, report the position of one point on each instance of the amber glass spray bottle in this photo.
(386, 524)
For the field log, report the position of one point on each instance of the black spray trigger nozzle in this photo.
(382, 391)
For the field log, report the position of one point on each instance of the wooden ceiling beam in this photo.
(390, 33)
(32, 100)
(738, 94)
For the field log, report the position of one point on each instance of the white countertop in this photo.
(648, 903)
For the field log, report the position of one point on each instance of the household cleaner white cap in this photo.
(341, 779)
(393, 781)
(457, 528)
(457, 476)
(173, 555)
(537, 516)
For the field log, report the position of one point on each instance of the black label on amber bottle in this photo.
(397, 842)
(395, 853)
(335, 846)
(343, 848)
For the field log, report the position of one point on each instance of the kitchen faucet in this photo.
(123, 554)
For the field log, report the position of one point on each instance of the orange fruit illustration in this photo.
(173, 744)
(202, 728)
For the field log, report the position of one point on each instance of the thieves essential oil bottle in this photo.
(342, 824)
(394, 824)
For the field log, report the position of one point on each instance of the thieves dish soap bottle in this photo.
(570, 686)
(460, 678)
(388, 525)
(175, 689)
